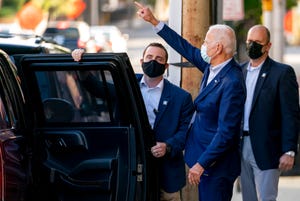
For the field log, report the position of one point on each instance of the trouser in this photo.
(164, 196)
(216, 188)
(257, 185)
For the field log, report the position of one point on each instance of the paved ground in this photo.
(289, 190)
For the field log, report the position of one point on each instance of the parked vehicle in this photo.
(16, 44)
(112, 34)
(71, 34)
(61, 141)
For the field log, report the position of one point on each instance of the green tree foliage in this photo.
(55, 8)
(291, 3)
(253, 15)
(10, 7)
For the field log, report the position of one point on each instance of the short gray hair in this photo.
(225, 35)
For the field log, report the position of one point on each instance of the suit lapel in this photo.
(214, 82)
(204, 79)
(244, 69)
(163, 102)
(264, 72)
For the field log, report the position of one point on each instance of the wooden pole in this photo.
(196, 20)
(195, 23)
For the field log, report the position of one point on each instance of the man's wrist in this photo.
(154, 22)
(158, 27)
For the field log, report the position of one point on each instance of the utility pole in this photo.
(267, 9)
(94, 12)
(273, 14)
(278, 35)
(191, 19)
(196, 19)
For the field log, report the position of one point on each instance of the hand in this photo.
(159, 150)
(286, 162)
(146, 14)
(77, 54)
(195, 173)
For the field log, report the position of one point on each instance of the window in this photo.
(78, 96)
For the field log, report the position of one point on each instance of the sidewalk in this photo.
(289, 189)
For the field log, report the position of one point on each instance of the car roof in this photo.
(13, 46)
(19, 45)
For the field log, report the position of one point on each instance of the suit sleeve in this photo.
(177, 142)
(183, 47)
(289, 104)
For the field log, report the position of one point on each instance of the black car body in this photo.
(59, 141)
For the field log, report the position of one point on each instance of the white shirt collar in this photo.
(218, 68)
(251, 68)
(159, 85)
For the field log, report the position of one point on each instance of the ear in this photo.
(268, 46)
(166, 65)
(141, 61)
(220, 47)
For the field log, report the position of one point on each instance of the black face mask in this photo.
(254, 50)
(153, 68)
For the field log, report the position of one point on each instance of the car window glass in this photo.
(78, 96)
(68, 33)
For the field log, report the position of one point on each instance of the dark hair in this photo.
(159, 45)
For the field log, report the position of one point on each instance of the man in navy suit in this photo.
(212, 146)
(169, 110)
(271, 119)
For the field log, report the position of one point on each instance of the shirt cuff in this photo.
(290, 153)
(158, 27)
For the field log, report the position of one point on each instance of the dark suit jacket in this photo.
(274, 116)
(171, 123)
(214, 137)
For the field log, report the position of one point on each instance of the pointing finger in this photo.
(140, 6)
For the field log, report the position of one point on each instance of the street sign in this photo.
(233, 10)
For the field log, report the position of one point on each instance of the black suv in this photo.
(62, 140)
(28, 44)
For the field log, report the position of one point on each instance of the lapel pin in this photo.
(263, 75)
(165, 102)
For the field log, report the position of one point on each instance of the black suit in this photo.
(274, 116)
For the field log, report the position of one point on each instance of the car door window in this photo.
(78, 96)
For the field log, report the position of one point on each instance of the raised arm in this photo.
(145, 13)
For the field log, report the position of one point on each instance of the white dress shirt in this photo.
(151, 98)
(251, 79)
(214, 70)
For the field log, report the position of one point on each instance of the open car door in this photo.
(91, 138)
